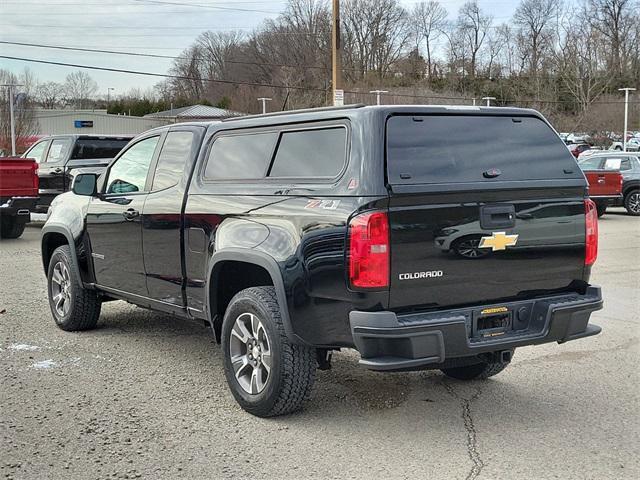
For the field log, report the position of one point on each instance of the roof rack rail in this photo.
(289, 112)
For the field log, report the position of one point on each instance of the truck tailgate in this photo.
(18, 177)
(459, 233)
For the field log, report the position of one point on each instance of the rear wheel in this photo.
(632, 202)
(11, 227)
(73, 306)
(602, 209)
(267, 374)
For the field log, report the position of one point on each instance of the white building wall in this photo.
(56, 122)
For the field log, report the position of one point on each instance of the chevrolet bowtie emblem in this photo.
(498, 241)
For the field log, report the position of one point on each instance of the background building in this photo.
(54, 122)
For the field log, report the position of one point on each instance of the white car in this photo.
(633, 145)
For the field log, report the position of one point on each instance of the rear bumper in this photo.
(387, 341)
(608, 200)
(19, 207)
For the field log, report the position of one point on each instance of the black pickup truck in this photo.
(296, 234)
(60, 156)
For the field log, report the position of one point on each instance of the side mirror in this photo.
(85, 184)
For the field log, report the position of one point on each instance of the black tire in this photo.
(10, 227)
(478, 371)
(601, 209)
(632, 202)
(83, 309)
(292, 372)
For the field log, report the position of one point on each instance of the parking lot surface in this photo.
(144, 396)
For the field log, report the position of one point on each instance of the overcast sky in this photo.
(163, 27)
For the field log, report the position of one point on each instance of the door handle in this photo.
(130, 214)
(57, 170)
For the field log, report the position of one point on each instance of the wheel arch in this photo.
(251, 269)
(630, 186)
(54, 236)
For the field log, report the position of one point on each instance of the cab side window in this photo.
(58, 150)
(37, 151)
(129, 173)
(310, 153)
(240, 156)
(174, 154)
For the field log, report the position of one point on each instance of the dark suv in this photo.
(300, 233)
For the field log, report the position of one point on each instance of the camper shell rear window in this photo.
(424, 149)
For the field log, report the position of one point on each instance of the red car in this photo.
(577, 148)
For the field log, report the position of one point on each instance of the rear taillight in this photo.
(35, 178)
(369, 250)
(591, 240)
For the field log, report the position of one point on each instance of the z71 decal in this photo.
(324, 204)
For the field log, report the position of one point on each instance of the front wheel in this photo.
(632, 202)
(268, 374)
(73, 306)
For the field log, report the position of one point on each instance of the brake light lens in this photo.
(369, 250)
(35, 178)
(591, 240)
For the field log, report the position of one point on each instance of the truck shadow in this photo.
(347, 392)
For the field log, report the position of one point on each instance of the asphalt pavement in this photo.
(144, 396)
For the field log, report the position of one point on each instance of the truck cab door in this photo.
(162, 215)
(52, 170)
(114, 219)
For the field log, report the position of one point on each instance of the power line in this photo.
(199, 5)
(164, 75)
(154, 55)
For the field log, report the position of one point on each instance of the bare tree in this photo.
(25, 123)
(472, 27)
(580, 64)
(50, 94)
(535, 18)
(79, 88)
(375, 35)
(429, 20)
(616, 21)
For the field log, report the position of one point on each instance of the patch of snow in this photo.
(44, 364)
(23, 346)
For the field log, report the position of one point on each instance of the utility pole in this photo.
(109, 89)
(626, 115)
(488, 99)
(378, 92)
(12, 118)
(264, 101)
(336, 57)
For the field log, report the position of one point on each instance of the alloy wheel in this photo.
(61, 289)
(250, 351)
(634, 202)
(471, 249)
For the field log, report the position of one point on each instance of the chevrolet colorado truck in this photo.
(18, 194)
(299, 233)
(60, 156)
